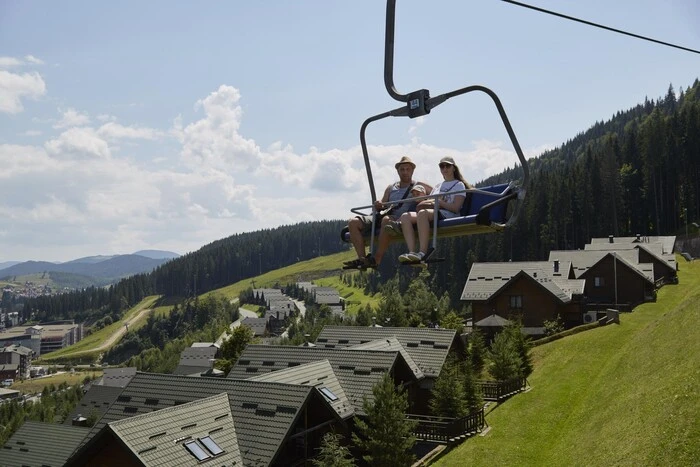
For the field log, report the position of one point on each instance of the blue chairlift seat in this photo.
(485, 210)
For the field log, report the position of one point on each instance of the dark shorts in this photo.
(366, 224)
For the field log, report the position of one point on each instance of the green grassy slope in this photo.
(625, 394)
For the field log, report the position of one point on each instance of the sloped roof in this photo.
(668, 242)
(20, 349)
(391, 343)
(317, 374)
(493, 321)
(486, 279)
(428, 347)
(656, 250)
(153, 437)
(583, 260)
(118, 377)
(258, 325)
(97, 399)
(41, 444)
(357, 370)
(195, 360)
(263, 412)
(204, 344)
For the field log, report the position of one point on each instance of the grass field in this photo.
(89, 348)
(316, 268)
(623, 394)
(35, 385)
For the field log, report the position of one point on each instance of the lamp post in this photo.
(686, 221)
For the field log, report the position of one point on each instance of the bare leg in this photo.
(407, 221)
(355, 226)
(425, 217)
(383, 240)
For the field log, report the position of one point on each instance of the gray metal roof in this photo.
(158, 438)
(258, 325)
(20, 349)
(428, 347)
(486, 279)
(97, 399)
(583, 260)
(393, 344)
(118, 377)
(198, 355)
(493, 321)
(667, 242)
(317, 374)
(41, 444)
(263, 412)
(656, 250)
(357, 370)
(195, 360)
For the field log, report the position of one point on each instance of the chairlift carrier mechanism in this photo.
(485, 209)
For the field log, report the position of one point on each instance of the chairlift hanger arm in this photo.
(399, 112)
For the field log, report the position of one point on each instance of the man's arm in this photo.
(379, 204)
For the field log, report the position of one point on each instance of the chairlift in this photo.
(486, 209)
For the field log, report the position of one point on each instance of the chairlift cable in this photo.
(601, 26)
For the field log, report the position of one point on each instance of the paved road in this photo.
(242, 313)
(113, 338)
(302, 312)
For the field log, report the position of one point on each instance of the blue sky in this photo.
(168, 125)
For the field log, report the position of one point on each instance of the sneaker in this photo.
(354, 263)
(370, 262)
(406, 257)
(395, 227)
(415, 257)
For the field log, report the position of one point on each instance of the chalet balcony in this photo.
(446, 430)
(500, 390)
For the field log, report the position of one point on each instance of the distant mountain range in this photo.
(98, 267)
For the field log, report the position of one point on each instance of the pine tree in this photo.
(477, 352)
(385, 435)
(504, 359)
(332, 453)
(448, 398)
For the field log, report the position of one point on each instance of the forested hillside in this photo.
(212, 266)
(635, 173)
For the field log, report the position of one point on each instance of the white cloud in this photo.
(71, 118)
(416, 123)
(78, 144)
(33, 60)
(31, 133)
(78, 195)
(9, 62)
(114, 131)
(15, 87)
(214, 141)
(106, 118)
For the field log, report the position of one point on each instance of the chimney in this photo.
(556, 265)
(639, 237)
(610, 239)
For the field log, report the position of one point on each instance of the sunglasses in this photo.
(444, 166)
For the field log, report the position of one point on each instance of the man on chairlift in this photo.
(360, 226)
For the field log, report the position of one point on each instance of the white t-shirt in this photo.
(448, 187)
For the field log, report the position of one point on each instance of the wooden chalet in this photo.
(529, 292)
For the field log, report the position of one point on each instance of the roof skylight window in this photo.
(197, 451)
(328, 394)
(211, 445)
